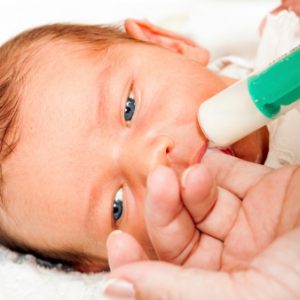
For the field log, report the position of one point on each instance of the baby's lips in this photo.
(227, 151)
(199, 154)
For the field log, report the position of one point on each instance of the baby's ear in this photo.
(145, 31)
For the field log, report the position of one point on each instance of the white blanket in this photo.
(281, 34)
(22, 278)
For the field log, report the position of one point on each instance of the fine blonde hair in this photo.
(16, 55)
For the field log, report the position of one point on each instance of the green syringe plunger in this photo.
(252, 102)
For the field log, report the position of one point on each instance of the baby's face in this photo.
(93, 128)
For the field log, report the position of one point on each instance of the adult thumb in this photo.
(159, 280)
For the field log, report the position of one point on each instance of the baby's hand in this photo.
(188, 220)
(174, 212)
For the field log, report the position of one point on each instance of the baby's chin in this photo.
(254, 147)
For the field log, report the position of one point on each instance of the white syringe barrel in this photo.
(230, 115)
(253, 102)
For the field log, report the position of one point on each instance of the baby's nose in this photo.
(158, 152)
(153, 151)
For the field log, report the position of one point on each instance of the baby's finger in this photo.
(170, 227)
(233, 174)
(213, 209)
(222, 216)
(199, 192)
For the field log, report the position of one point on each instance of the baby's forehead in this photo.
(53, 56)
(51, 59)
(53, 52)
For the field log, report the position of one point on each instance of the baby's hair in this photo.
(16, 57)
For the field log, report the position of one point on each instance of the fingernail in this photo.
(186, 174)
(119, 289)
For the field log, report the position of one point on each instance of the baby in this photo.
(87, 112)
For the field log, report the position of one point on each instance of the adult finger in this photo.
(158, 280)
(273, 274)
(122, 249)
(232, 173)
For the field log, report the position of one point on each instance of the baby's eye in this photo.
(118, 205)
(129, 108)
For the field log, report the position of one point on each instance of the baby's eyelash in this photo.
(117, 210)
(129, 108)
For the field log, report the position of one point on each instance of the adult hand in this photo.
(274, 274)
(250, 243)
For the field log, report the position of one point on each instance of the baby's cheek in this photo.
(139, 231)
(134, 220)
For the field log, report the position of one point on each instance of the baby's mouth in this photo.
(198, 157)
(227, 150)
